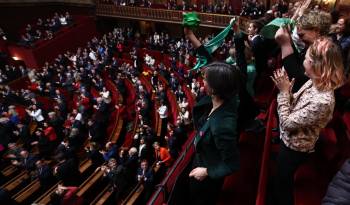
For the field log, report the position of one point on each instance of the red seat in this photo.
(329, 141)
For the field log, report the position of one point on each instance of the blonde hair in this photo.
(315, 20)
(327, 64)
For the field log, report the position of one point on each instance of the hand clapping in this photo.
(281, 80)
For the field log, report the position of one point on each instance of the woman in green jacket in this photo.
(215, 119)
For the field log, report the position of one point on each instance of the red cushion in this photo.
(329, 147)
(345, 90)
(329, 136)
(346, 120)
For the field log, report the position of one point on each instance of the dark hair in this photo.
(258, 24)
(347, 26)
(223, 78)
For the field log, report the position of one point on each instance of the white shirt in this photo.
(156, 38)
(63, 20)
(185, 117)
(37, 115)
(78, 117)
(141, 148)
(105, 94)
(92, 55)
(163, 112)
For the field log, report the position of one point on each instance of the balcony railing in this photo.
(160, 15)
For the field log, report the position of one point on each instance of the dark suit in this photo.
(260, 54)
(45, 176)
(117, 177)
(131, 165)
(29, 163)
(96, 157)
(216, 148)
(96, 132)
(24, 136)
(147, 179)
(295, 69)
(69, 173)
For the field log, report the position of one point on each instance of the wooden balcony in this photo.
(160, 15)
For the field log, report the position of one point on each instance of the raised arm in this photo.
(192, 38)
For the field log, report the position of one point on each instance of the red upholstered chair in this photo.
(329, 142)
(346, 121)
(345, 90)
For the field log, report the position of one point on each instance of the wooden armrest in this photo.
(103, 196)
(46, 197)
(117, 131)
(89, 182)
(9, 170)
(134, 195)
(85, 166)
(27, 191)
(11, 185)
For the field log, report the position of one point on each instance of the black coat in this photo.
(96, 158)
(216, 139)
(45, 176)
(260, 54)
(338, 192)
(69, 173)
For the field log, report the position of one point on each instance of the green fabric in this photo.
(201, 61)
(230, 60)
(191, 20)
(212, 45)
(269, 30)
(251, 75)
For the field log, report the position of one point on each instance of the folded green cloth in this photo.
(270, 29)
(191, 20)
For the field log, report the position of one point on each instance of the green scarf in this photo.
(212, 45)
(270, 29)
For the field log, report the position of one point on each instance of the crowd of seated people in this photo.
(219, 8)
(61, 129)
(9, 73)
(252, 9)
(44, 29)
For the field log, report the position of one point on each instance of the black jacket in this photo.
(338, 192)
(216, 139)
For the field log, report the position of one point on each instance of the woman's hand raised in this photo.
(281, 80)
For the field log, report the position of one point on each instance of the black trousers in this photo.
(205, 192)
(287, 164)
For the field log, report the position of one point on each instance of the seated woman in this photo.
(303, 114)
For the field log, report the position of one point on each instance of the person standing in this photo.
(215, 120)
(303, 114)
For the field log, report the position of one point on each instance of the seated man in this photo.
(26, 161)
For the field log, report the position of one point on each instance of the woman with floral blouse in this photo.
(303, 114)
